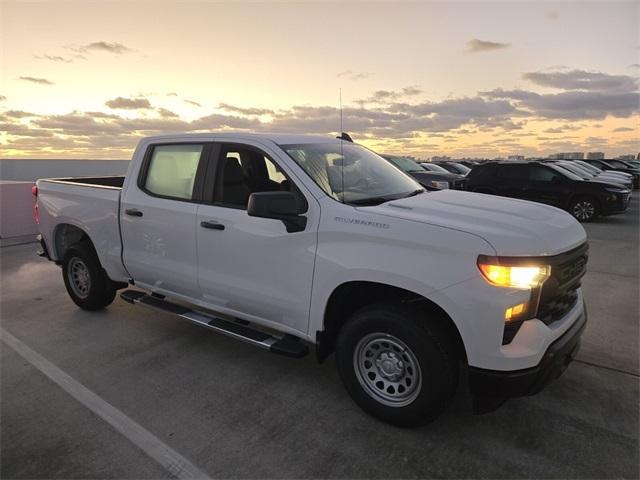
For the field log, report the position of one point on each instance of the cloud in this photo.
(18, 114)
(587, 95)
(634, 65)
(53, 58)
(351, 75)
(624, 129)
(38, 80)
(3, 98)
(388, 96)
(172, 94)
(164, 113)
(245, 111)
(128, 103)
(475, 45)
(192, 102)
(582, 80)
(101, 46)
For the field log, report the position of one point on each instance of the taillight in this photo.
(36, 214)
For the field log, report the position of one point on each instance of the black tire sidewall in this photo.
(436, 364)
(101, 291)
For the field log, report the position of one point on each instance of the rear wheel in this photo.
(86, 281)
(397, 364)
(584, 209)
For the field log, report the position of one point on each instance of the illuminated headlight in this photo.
(530, 276)
(439, 184)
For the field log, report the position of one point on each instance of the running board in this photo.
(288, 345)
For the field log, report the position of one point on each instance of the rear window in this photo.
(172, 170)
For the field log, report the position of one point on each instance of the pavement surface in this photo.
(132, 393)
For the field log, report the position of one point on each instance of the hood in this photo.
(608, 183)
(512, 227)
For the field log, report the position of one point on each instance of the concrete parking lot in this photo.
(237, 412)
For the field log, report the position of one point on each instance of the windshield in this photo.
(463, 169)
(351, 173)
(565, 172)
(435, 168)
(577, 170)
(589, 167)
(617, 164)
(405, 164)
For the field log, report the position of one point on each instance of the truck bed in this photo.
(91, 204)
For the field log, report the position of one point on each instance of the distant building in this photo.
(515, 157)
(595, 156)
(441, 159)
(626, 157)
(567, 156)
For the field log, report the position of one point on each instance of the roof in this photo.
(277, 138)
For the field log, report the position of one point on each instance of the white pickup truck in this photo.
(288, 240)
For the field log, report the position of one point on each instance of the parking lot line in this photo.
(172, 461)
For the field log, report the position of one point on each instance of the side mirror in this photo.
(284, 206)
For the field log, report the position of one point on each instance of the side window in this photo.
(541, 174)
(243, 171)
(172, 170)
(513, 172)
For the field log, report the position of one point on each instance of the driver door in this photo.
(250, 267)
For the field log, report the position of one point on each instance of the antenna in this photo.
(341, 144)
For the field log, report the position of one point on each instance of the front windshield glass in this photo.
(617, 164)
(436, 168)
(351, 173)
(577, 170)
(463, 169)
(565, 172)
(406, 164)
(589, 167)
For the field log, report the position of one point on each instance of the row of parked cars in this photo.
(585, 188)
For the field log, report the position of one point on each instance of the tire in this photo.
(413, 359)
(584, 209)
(87, 283)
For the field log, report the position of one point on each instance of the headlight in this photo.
(514, 276)
(617, 190)
(439, 184)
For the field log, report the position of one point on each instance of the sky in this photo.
(465, 79)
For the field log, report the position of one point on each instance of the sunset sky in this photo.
(87, 79)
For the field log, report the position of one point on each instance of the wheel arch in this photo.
(350, 296)
(65, 235)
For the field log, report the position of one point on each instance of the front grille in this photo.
(559, 293)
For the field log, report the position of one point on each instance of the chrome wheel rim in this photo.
(387, 369)
(584, 210)
(79, 277)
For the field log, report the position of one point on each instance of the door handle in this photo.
(211, 224)
(133, 212)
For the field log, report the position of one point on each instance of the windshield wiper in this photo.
(383, 198)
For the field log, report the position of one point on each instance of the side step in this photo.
(288, 345)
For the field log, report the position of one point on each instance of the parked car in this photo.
(550, 184)
(431, 180)
(288, 240)
(624, 177)
(585, 174)
(454, 167)
(617, 166)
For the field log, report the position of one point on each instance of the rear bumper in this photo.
(517, 383)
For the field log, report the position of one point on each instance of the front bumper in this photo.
(619, 205)
(529, 381)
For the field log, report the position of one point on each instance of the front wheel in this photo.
(397, 364)
(584, 209)
(87, 283)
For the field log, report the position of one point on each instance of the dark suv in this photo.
(617, 166)
(550, 184)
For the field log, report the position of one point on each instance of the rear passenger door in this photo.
(158, 218)
(548, 186)
(512, 180)
(250, 267)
